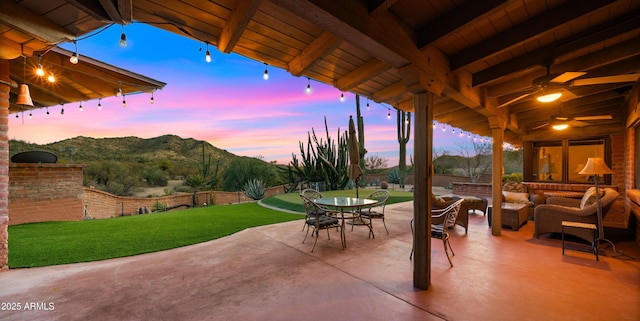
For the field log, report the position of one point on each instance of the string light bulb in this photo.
(341, 97)
(434, 124)
(80, 106)
(40, 70)
(152, 100)
(389, 115)
(99, 103)
(51, 78)
(368, 107)
(444, 129)
(207, 54)
(308, 91)
(30, 115)
(119, 90)
(47, 110)
(124, 102)
(123, 38)
(74, 56)
(62, 110)
(265, 76)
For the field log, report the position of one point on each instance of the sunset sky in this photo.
(226, 102)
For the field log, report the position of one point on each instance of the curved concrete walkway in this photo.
(266, 273)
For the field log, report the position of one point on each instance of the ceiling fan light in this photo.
(549, 96)
(560, 126)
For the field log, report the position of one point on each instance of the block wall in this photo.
(45, 192)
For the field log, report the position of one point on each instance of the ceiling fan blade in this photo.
(566, 76)
(540, 126)
(606, 80)
(577, 123)
(517, 99)
(598, 117)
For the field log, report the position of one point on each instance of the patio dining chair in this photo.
(376, 211)
(319, 222)
(312, 194)
(441, 221)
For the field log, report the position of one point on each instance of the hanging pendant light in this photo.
(24, 97)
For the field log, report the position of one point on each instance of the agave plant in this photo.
(254, 189)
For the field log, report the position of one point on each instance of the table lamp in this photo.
(549, 168)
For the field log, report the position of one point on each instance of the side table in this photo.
(594, 245)
(513, 215)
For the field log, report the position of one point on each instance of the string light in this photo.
(123, 38)
(124, 102)
(51, 78)
(152, 100)
(342, 97)
(99, 103)
(30, 115)
(308, 86)
(119, 90)
(389, 115)
(368, 107)
(265, 76)
(62, 110)
(80, 106)
(74, 56)
(47, 110)
(434, 124)
(444, 128)
(207, 54)
(40, 70)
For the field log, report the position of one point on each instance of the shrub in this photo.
(254, 189)
(513, 177)
(393, 176)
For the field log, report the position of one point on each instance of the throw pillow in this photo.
(589, 197)
(514, 197)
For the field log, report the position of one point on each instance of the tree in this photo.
(374, 164)
(476, 158)
(112, 177)
(243, 169)
(404, 132)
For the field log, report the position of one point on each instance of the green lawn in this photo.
(53, 243)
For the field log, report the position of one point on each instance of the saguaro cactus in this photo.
(404, 132)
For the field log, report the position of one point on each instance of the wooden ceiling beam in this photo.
(125, 8)
(551, 19)
(361, 74)
(546, 54)
(24, 20)
(389, 92)
(377, 6)
(92, 8)
(597, 59)
(318, 49)
(236, 24)
(455, 19)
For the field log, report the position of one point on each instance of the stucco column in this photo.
(497, 135)
(4, 164)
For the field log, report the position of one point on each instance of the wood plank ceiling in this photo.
(479, 57)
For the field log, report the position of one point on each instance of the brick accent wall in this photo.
(4, 165)
(45, 192)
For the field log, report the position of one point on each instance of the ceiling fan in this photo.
(551, 87)
(561, 121)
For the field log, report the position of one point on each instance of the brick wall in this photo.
(4, 165)
(45, 192)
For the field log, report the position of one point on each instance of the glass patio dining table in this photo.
(349, 209)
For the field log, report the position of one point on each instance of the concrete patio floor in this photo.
(266, 273)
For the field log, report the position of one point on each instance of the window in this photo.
(561, 161)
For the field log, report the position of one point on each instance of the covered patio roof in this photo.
(481, 60)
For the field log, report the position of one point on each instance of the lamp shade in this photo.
(24, 97)
(596, 166)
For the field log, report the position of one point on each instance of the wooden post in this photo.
(497, 134)
(423, 142)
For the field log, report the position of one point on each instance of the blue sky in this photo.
(225, 102)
